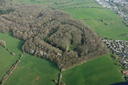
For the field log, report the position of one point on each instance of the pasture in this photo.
(100, 71)
(33, 71)
(105, 22)
(13, 44)
(6, 59)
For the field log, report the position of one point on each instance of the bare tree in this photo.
(4, 2)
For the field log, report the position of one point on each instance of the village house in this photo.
(120, 48)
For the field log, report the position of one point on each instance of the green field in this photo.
(6, 59)
(30, 71)
(100, 71)
(105, 22)
(36, 71)
(12, 43)
(111, 27)
(33, 71)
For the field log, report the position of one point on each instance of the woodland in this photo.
(52, 34)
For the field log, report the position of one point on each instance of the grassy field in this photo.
(30, 71)
(111, 27)
(100, 71)
(33, 71)
(12, 43)
(104, 22)
(6, 59)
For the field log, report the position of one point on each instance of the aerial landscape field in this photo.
(59, 42)
(100, 71)
(5, 55)
(33, 71)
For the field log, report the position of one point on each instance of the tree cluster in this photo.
(53, 34)
(4, 3)
(2, 43)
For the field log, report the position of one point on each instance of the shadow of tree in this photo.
(19, 44)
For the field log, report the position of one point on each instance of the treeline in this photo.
(6, 11)
(2, 43)
(4, 3)
(53, 34)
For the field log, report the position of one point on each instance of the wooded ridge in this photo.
(53, 34)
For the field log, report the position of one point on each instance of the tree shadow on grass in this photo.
(20, 43)
(53, 64)
(50, 63)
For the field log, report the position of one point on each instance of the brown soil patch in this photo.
(37, 78)
(28, 67)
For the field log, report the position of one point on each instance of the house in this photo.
(107, 0)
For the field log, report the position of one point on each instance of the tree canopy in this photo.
(2, 43)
